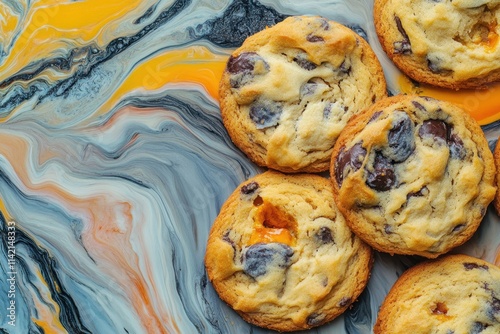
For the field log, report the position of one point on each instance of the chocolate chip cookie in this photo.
(413, 175)
(453, 295)
(289, 90)
(281, 254)
(452, 44)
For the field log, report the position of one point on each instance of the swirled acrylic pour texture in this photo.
(114, 163)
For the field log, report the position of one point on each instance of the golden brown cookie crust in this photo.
(312, 76)
(496, 156)
(436, 200)
(454, 294)
(451, 44)
(321, 268)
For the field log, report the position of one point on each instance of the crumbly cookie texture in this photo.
(289, 90)
(413, 175)
(457, 294)
(452, 44)
(281, 254)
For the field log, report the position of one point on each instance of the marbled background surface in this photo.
(114, 162)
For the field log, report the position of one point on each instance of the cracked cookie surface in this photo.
(452, 44)
(289, 90)
(281, 254)
(413, 175)
(457, 294)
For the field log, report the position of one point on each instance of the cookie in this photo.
(413, 175)
(457, 294)
(282, 256)
(452, 44)
(289, 90)
(496, 156)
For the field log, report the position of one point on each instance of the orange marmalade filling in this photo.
(273, 225)
(491, 40)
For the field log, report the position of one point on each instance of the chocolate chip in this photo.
(344, 68)
(349, 161)
(472, 265)
(242, 68)
(345, 301)
(418, 105)
(388, 229)
(311, 86)
(375, 116)
(303, 62)
(249, 188)
(382, 176)
(458, 228)
(457, 149)
(265, 114)
(259, 258)
(400, 138)
(228, 239)
(244, 62)
(324, 235)
(422, 192)
(402, 46)
(434, 128)
(314, 38)
(435, 65)
(315, 319)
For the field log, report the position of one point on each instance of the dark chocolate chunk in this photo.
(244, 62)
(472, 265)
(434, 128)
(422, 192)
(375, 116)
(311, 86)
(349, 161)
(345, 67)
(259, 258)
(388, 229)
(324, 235)
(402, 46)
(249, 188)
(314, 38)
(315, 319)
(265, 114)
(242, 68)
(382, 176)
(400, 138)
(457, 149)
(303, 62)
(418, 105)
(435, 65)
(345, 301)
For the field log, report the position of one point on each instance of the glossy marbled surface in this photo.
(114, 163)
